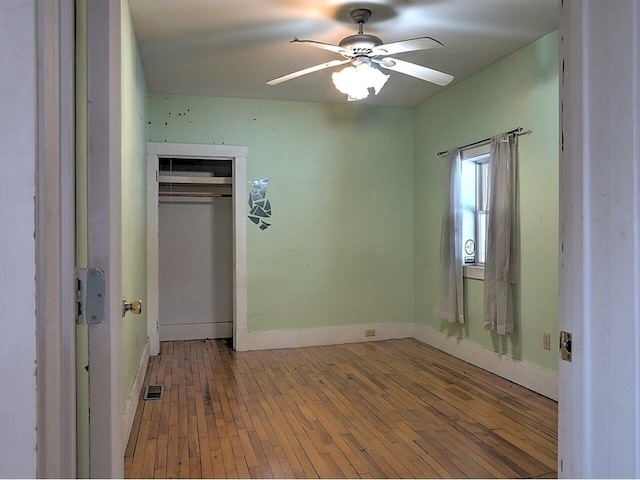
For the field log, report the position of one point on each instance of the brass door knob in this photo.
(134, 306)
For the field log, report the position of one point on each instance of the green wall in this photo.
(357, 199)
(134, 200)
(340, 248)
(520, 90)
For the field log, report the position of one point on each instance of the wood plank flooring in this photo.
(388, 409)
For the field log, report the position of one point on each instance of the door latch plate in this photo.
(90, 295)
(565, 346)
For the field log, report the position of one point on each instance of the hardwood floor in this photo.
(387, 409)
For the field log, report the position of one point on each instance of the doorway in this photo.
(195, 231)
(178, 174)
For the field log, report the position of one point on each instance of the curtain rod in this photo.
(515, 131)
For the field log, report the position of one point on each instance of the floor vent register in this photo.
(153, 392)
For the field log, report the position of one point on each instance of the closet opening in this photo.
(195, 248)
(196, 243)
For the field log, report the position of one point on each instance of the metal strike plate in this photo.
(90, 295)
(565, 346)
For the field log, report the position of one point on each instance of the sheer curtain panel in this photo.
(451, 305)
(500, 267)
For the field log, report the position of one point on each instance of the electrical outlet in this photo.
(370, 333)
(546, 341)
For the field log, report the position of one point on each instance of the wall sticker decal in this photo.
(259, 206)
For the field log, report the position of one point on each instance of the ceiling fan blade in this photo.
(299, 73)
(323, 46)
(422, 43)
(418, 71)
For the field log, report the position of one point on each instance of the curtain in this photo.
(450, 307)
(500, 267)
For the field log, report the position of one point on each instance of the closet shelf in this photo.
(164, 179)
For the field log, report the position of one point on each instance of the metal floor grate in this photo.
(153, 392)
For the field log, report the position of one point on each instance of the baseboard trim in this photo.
(196, 331)
(312, 337)
(132, 401)
(526, 374)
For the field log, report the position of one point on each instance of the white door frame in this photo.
(37, 423)
(599, 423)
(56, 241)
(104, 214)
(238, 156)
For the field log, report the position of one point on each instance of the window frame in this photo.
(476, 159)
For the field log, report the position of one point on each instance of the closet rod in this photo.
(204, 195)
(515, 131)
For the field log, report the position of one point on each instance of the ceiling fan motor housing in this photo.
(361, 43)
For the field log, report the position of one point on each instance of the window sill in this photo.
(473, 271)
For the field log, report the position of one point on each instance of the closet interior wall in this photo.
(195, 249)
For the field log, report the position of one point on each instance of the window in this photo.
(475, 204)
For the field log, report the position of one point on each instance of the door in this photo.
(599, 423)
(100, 442)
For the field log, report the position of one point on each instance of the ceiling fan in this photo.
(364, 52)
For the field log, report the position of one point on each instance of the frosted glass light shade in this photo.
(355, 81)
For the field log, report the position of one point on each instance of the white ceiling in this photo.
(230, 48)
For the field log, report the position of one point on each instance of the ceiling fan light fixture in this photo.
(355, 81)
(362, 50)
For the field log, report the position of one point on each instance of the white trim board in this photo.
(196, 331)
(238, 155)
(55, 234)
(20, 123)
(313, 337)
(528, 375)
(104, 234)
(132, 401)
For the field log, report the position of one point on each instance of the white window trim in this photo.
(475, 272)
